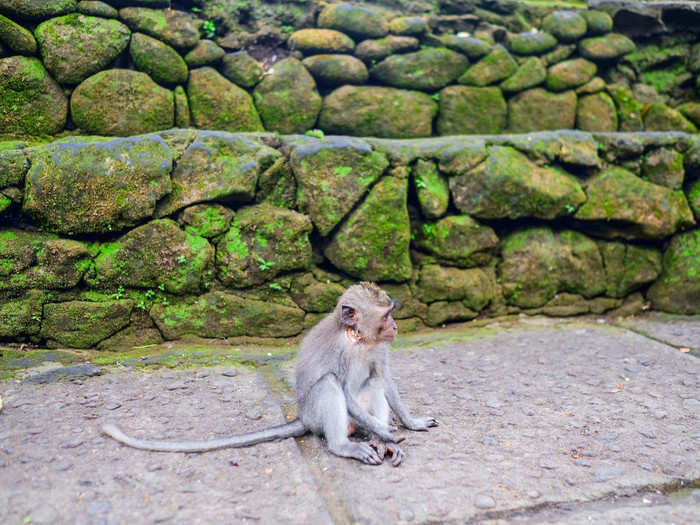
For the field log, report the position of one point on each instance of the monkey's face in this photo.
(387, 327)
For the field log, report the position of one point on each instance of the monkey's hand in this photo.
(420, 423)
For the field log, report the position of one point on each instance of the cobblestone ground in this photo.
(541, 421)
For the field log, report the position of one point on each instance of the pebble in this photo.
(113, 405)
(406, 514)
(692, 405)
(62, 465)
(73, 443)
(177, 385)
(607, 473)
(484, 501)
(230, 373)
(609, 436)
(253, 414)
(581, 462)
(533, 494)
(161, 516)
(547, 463)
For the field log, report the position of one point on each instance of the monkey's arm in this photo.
(368, 421)
(392, 396)
(292, 429)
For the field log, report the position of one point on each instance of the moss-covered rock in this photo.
(336, 70)
(431, 189)
(494, 67)
(277, 185)
(530, 73)
(509, 185)
(217, 166)
(605, 48)
(377, 111)
(594, 85)
(471, 110)
(156, 255)
(287, 98)
(162, 63)
(38, 260)
(409, 25)
(121, 102)
(321, 41)
(537, 109)
(660, 117)
(568, 304)
(629, 109)
(693, 195)
(97, 8)
(570, 74)
(628, 266)
(678, 288)
(691, 111)
(353, 19)
(204, 53)
(17, 38)
(71, 187)
(13, 167)
(206, 220)
(441, 312)
(475, 287)
(176, 28)
(538, 263)
(73, 47)
(559, 53)
(83, 324)
(599, 22)
(427, 70)
(242, 69)
(313, 295)
(31, 102)
(221, 314)
(262, 242)
(332, 175)
(596, 112)
(183, 119)
(20, 316)
(530, 43)
(37, 9)
(457, 240)
(376, 50)
(216, 103)
(637, 208)
(472, 47)
(565, 25)
(372, 244)
(664, 166)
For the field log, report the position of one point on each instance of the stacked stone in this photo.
(107, 69)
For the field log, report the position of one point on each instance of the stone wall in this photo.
(124, 67)
(109, 242)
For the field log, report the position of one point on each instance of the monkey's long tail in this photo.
(292, 429)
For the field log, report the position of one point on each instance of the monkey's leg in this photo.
(373, 398)
(326, 413)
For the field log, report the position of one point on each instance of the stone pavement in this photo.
(541, 421)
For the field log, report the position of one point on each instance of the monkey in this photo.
(343, 384)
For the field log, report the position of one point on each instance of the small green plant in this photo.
(196, 9)
(161, 287)
(209, 28)
(119, 293)
(276, 286)
(435, 97)
(570, 208)
(420, 184)
(318, 133)
(36, 318)
(429, 229)
(342, 171)
(181, 259)
(264, 265)
(287, 29)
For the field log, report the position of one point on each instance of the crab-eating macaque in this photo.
(343, 383)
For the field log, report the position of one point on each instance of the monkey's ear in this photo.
(348, 315)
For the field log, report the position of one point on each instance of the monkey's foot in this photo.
(382, 448)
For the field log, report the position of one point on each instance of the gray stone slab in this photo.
(55, 467)
(528, 415)
(676, 330)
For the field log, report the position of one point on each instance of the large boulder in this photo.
(605, 48)
(494, 67)
(313, 295)
(242, 69)
(596, 112)
(336, 70)
(221, 314)
(162, 63)
(664, 166)
(372, 51)
(121, 102)
(354, 19)
(20, 315)
(17, 38)
(206, 220)
(538, 263)
(629, 109)
(565, 25)
(38, 9)
(39, 260)
(287, 98)
(378, 111)
(431, 188)
(75, 46)
(204, 53)
(529, 74)
(216, 103)
(531, 43)
(623, 205)
(176, 28)
(660, 117)
(373, 243)
(83, 324)
(457, 240)
(628, 266)
(427, 70)
(678, 288)
(217, 166)
(570, 74)
(471, 110)
(508, 185)
(71, 187)
(262, 242)
(474, 48)
(537, 109)
(332, 175)
(475, 287)
(157, 254)
(321, 41)
(31, 102)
